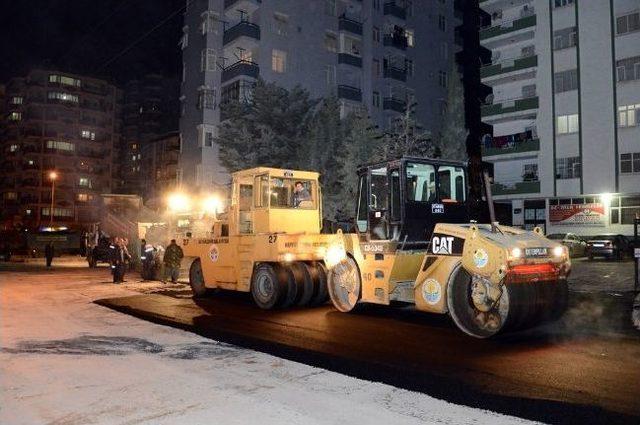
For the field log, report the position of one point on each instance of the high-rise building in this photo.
(150, 110)
(373, 54)
(566, 93)
(63, 123)
(160, 167)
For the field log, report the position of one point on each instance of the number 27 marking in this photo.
(273, 238)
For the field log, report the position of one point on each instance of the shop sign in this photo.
(577, 214)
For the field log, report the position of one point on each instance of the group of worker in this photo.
(120, 258)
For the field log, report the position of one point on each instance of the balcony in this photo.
(517, 188)
(393, 104)
(508, 66)
(242, 29)
(510, 106)
(350, 93)
(350, 59)
(508, 27)
(392, 9)
(395, 73)
(349, 25)
(397, 41)
(513, 147)
(241, 68)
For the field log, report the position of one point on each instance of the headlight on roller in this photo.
(558, 251)
(334, 255)
(516, 253)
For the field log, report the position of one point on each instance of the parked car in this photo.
(574, 243)
(608, 246)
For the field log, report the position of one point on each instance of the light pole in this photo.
(52, 176)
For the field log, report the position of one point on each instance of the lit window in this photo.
(13, 148)
(86, 134)
(411, 40)
(331, 42)
(27, 212)
(17, 100)
(64, 97)
(84, 182)
(566, 124)
(82, 197)
(15, 116)
(279, 61)
(67, 81)
(62, 146)
(10, 196)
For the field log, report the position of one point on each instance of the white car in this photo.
(574, 243)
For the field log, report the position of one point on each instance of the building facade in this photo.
(150, 110)
(63, 123)
(566, 92)
(160, 167)
(372, 54)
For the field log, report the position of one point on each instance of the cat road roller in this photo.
(414, 243)
(268, 244)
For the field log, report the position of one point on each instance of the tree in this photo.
(268, 131)
(408, 137)
(453, 136)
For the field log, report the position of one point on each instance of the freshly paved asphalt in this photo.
(582, 369)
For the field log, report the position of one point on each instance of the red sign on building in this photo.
(577, 214)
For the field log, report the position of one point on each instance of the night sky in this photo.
(83, 35)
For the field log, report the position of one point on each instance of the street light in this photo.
(52, 176)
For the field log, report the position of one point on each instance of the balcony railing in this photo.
(510, 106)
(516, 188)
(350, 93)
(392, 9)
(507, 27)
(350, 25)
(393, 104)
(508, 66)
(350, 59)
(244, 68)
(242, 29)
(399, 74)
(513, 145)
(397, 41)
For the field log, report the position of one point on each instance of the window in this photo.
(530, 172)
(442, 22)
(10, 196)
(442, 79)
(184, 41)
(330, 76)
(58, 212)
(628, 69)
(630, 163)
(86, 134)
(331, 42)
(444, 50)
(376, 99)
(411, 40)
(84, 182)
(207, 135)
(208, 60)
(566, 124)
(565, 38)
(568, 168)
(206, 98)
(351, 46)
(238, 91)
(566, 81)
(82, 197)
(61, 146)
(278, 61)
(376, 34)
(561, 3)
(451, 184)
(330, 7)
(64, 97)
(280, 24)
(376, 4)
(16, 100)
(376, 69)
(13, 148)
(210, 22)
(628, 23)
(15, 116)
(363, 205)
(67, 81)
(628, 115)
(408, 66)
(421, 182)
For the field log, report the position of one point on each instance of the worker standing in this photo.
(172, 258)
(48, 253)
(119, 262)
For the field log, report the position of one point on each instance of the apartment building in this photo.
(159, 167)
(63, 123)
(372, 54)
(565, 77)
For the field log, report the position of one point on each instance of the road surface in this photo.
(584, 369)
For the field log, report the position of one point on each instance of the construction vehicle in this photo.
(415, 244)
(268, 243)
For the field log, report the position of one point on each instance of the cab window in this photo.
(452, 185)
(292, 193)
(421, 182)
(379, 192)
(361, 219)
